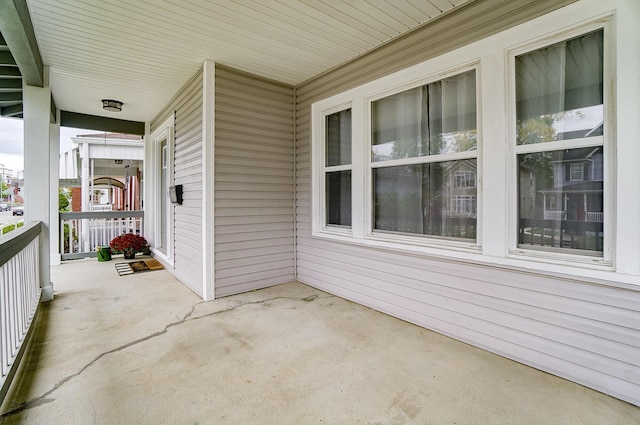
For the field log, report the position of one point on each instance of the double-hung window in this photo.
(560, 145)
(337, 169)
(424, 159)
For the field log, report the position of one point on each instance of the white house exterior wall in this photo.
(187, 225)
(580, 325)
(253, 183)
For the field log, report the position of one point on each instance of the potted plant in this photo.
(129, 244)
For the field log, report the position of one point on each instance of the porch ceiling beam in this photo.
(11, 111)
(17, 31)
(9, 72)
(76, 120)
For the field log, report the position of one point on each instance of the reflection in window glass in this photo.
(338, 198)
(559, 91)
(556, 209)
(424, 199)
(436, 118)
(338, 135)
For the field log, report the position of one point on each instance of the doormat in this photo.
(138, 266)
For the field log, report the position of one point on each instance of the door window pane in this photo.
(424, 199)
(559, 91)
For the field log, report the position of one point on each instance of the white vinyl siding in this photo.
(254, 183)
(578, 322)
(187, 225)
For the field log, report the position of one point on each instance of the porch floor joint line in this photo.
(43, 399)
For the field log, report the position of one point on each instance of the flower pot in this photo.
(129, 255)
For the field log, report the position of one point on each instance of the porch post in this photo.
(54, 219)
(37, 185)
(208, 188)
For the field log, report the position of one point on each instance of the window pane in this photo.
(556, 209)
(559, 92)
(338, 143)
(338, 198)
(425, 199)
(433, 119)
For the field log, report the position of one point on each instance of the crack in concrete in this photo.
(40, 400)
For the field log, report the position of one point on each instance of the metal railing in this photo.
(19, 296)
(81, 233)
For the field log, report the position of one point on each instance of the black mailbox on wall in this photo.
(175, 194)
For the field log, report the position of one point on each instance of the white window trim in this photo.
(557, 256)
(164, 131)
(359, 100)
(497, 229)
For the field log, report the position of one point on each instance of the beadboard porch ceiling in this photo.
(142, 51)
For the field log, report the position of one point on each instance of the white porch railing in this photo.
(81, 233)
(554, 215)
(19, 297)
(596, 217)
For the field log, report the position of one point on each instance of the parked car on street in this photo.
(4, 207)
(18, 210)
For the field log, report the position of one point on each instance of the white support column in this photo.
(37, 117)
(208, 174)
(54, 173)
(84, 159)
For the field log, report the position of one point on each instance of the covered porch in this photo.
(144, 348)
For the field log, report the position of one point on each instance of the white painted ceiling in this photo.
(142, 51)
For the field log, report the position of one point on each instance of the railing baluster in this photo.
(97, 228)
(19, 297)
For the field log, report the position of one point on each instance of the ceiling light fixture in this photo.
(111, 105)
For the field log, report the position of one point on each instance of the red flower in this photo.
(129, 243)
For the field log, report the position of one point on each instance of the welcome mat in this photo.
(138, 266)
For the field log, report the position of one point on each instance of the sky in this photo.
(12, 147)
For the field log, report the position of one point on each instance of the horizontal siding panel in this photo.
(251, 244)
(263, 219)
(248, 285)
(254, 261)
(258, 187)
(253, 253)
(271, 194)
(232, 212)
(254, 183)
(243, 162)
(248, 178)
(225, 169)
(187, 164)
(254, 236)
(251, 228)
(252, 268)
(280, 274)
(229, 138)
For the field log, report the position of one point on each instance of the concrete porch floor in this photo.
(143, 349)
